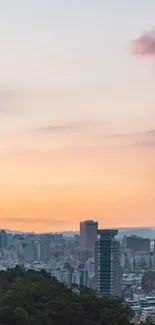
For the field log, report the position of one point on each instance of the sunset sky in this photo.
(77, 114)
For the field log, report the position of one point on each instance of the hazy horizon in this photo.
(77, 114)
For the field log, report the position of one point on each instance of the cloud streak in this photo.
(127, 139)
(94, 141)
(72, 126)
(28, 220)
(145, 44)
(148, 134)
(141, 139)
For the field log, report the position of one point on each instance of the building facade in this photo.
(148, 281)
(136, 244)
(88, 234)
(108, 274)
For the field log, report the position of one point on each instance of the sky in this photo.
(77, 114)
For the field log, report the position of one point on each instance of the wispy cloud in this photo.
(92, 143)
(28, 220)
(72, 126)
(132, 139)
(148, 133)
(145, 44)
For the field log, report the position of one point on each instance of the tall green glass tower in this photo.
(108, 275)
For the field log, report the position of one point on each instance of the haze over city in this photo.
(77, 114)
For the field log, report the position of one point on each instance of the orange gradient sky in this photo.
(77, 115)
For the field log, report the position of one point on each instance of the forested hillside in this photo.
(35, 298)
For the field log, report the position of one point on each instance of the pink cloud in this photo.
(145, 44)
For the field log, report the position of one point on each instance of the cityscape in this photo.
(77, 162)
(94, 258)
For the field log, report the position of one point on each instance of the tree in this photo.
(6, 315)
(21, 316)
(149, 321)
(36, 298)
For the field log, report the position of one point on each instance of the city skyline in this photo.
(77, 115)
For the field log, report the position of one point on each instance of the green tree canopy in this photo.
(36, 298)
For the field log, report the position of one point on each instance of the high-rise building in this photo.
(77, 239)
(37, 250)
(136, 244)
(45, 248)
(68, 271)
(28, 251)
(154, 250)
(3, 240)
(76, 277)
(148, 281)
(84, 281)
(80, 277)
(88, 234)
(108, 274)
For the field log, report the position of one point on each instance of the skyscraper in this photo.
(3, 239)
(83, 275)
(136, 244)
(88, 234)
(108, 275)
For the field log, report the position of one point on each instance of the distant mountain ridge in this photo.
(146, 232)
